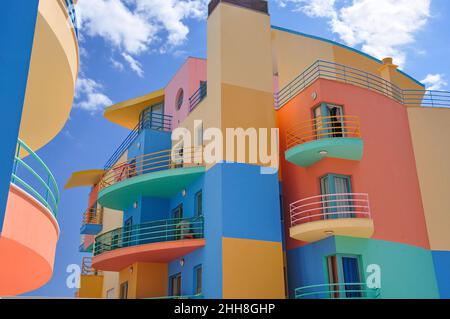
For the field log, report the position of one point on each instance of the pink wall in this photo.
(188, 77)
(387, 171)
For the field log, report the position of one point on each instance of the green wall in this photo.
(406, 271)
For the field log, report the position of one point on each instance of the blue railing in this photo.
(337, 291)
(72, 15)
(152, 232)
(32, 175)
(154, 121)
(349, 75)
(198, 96)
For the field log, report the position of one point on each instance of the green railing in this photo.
(337, 291)
(32, 175)
(151, 232)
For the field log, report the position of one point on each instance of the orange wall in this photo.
(387, 171)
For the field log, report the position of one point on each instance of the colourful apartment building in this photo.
(39, 71)
(357, 209)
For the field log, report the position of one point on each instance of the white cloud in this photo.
(117, 65)
(134, 27)
(89, 96)
(381, 27)
(134, 64)
(434, 81)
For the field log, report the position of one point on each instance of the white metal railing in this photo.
(330, 206)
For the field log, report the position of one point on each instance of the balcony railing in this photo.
(87, 269)
(198, 96)
(72, 14)
(32, 175)
(149, 163)
(349, 75)
(154, 121)
(323, 128)
(329, 207)
(93, 216)
(148, 233)
(337, 291)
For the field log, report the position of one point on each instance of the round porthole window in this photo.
(179, 100)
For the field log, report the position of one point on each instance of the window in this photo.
(152, 117)
(124, 290)
(198, 204)
(336, 205)
(179, 99)
(111, 294)
(175, 285)
(198, 272)
(344, 276)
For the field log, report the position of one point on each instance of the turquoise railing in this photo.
(337, 291)
(72, 14)
(37, 180)
(349, 75)
(152, 232)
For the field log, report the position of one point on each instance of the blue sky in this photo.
(131, 47)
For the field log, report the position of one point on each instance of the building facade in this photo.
(39, 70)
(357, 208)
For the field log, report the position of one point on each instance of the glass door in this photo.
(328, 121)
(175, 285)
(127, 232)
(336, 205)
(177, 216)
(344, 276)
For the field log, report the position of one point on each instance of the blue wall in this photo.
(306, 264)
(17, 24)
(251, 203)
(441, 261)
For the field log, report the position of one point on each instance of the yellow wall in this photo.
(430, 132)
(239, 73)
(90, 286)
(252, 269)
(145, 280)
(294, 53)
(52, 75)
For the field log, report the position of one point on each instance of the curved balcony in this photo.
(160, 174)
(318, 217)
(337, 291)
(332, 136)
(157, 241)
(92, 221)
(30, 230)
(52, 73)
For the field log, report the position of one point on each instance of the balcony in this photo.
(52, 73)
(30, 230)
(160, 174)
(158, 241)
(337, 291)
(318, 217)
(334, 136)
(92, 221)
(198, 96)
